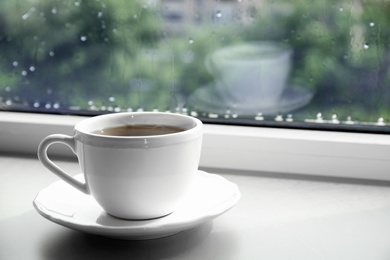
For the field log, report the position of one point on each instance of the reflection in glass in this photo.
(278, 63)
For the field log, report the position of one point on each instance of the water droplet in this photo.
(51, 53)
(7, 88)
(319, 118)
(341, 9)
(111, 99)
(117, 109)
(100, 14)
(194, 113)
(32, 68)
(213, 115)
(380, 121)
(77, 3)
(190, 41)
(259, 116)
(90, 103)
(279, 118)
(56, 105)
(366, 46)
(372, 24)
(27, 14)
(335, 119)
(135, 16)
(289, 118)
(83, 38)
(8, 102)
(15, 63)
(349, 120)
(54, 10)
(218, 14)
(36, 104)
(24, 73)
(48, 106)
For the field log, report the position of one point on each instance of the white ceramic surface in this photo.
(132, 177)
(210, 196)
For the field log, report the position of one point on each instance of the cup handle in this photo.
(49, 164)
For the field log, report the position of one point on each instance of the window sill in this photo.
(287, 151)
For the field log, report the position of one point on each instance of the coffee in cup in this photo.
(136, 165)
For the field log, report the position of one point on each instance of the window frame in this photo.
(238, 148)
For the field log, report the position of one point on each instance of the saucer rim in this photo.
(140, 232)
(244, 111)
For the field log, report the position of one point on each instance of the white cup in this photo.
(132, 177)
(255, 72)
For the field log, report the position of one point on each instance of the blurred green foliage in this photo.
(341, 51)
(121, 52)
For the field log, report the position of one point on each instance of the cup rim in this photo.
(84, 133)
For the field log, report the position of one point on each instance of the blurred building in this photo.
(180, 14)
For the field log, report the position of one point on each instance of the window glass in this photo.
(306, 64)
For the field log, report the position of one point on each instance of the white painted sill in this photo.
(236, 148)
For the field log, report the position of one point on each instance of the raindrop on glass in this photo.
(366, 46)
(190, 41)
(381, 121)
(335, 119)
(83, 38)
(90, 103)
(111, 99)
(218, 14)
(56, 105)
(15, 63)
(279, 118)
(7, 88)
(36, 104)
(77, 3)
(341, 9)
(51, 53)
(54, 10)
(24, 73)
(194, 113)
(319, 117)
(32, 68)
(27, 14)
(100, 14)
(372, 24)
(48, 106)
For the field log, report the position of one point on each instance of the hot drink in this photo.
(140, 130)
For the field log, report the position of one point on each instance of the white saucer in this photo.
(211, 196)
(207, 99)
